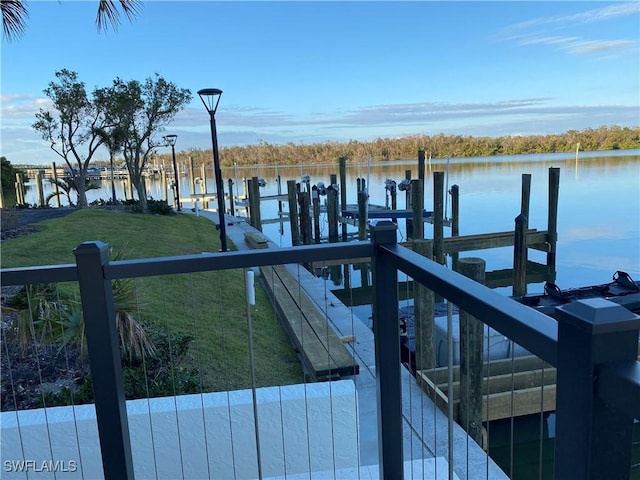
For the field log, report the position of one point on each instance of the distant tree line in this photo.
(438, 146)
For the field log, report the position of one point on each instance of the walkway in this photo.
(426, 427)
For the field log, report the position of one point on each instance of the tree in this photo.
(7, 176)
(71, 128)
(15, 15)
(142, 110)
(113, 139)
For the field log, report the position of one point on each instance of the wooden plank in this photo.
(255, 240)
(323, 352)
(508, 382)
(495, 367)
(521, 402)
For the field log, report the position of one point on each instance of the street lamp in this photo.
(171, 140)
(210, 98)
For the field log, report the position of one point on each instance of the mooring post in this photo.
(56, 187)
(104, 360)
(526, 196)
(293, 212)
(163, 185)
(332, 213)
(254, 202)
(192, 176)
(423, 310)
(386, 336)
(19, 189)
(232, 206)
(593, 439)
(455, 220)
(362, 215)
(421, 170)
(39, 190)
(315, 200)
(520, 254)
(305, 219)
(417, 205)
(1, 196)
(438, 218)
(343, 192)
(408, 221)
(471, 356)
(552, 225)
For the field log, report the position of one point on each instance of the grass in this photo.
(207, 306)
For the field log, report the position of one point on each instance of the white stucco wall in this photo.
(311, 427)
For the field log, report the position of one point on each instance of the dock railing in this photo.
(593, 346)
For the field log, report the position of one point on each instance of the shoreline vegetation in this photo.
(437, 146)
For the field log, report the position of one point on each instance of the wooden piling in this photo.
(362, 215)
(56, 187)
(232, 206)
(526, 196)
(20, 189)
(315, 200)
(343, 192)
(520, 256)
(421, 170)
(293, 212)
(39, 190)
(279, 185)
(408, 221)
(1, 196)
(130, 185)
(423, 311)
(455, 221)
(163, 185)
(203, 186)
(552, 222)
(192, 175)
(305, 219)
(254, 202)
(438, 218)
(332, 214)
(471, 357)
(417, 203)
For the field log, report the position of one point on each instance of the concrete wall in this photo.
(303, 428)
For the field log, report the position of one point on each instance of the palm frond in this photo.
(14, 17)
(108, 12)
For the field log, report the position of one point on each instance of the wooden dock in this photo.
(323, 353)
(510, 387)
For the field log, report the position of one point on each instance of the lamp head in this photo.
(170, 139)
(210, 98)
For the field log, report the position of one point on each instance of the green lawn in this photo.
(207, 306)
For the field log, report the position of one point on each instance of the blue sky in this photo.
(317, 71)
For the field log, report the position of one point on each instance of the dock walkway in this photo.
(426, 427)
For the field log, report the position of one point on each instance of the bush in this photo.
(154, 207)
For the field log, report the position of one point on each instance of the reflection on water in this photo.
(598, 213)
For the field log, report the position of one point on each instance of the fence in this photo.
(594, 347)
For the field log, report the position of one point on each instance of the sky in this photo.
(308, 72)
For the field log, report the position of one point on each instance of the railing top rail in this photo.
(40, 274)
(537, 332)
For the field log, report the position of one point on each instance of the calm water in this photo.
(598, 211)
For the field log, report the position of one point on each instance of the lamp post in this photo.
(171, 140)
(210, 98)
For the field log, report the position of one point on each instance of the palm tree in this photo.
(114, 141)
(15, 14)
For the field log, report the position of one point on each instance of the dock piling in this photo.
(332, 214)
(343, 192)
(56, 187)
(423, 311)
(471, 348)
(438, 218)
(552, 225)
(293, 212)
(520, 254)
(417, 204)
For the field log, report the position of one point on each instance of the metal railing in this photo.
(593, 345)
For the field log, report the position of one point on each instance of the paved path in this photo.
(425, 428)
